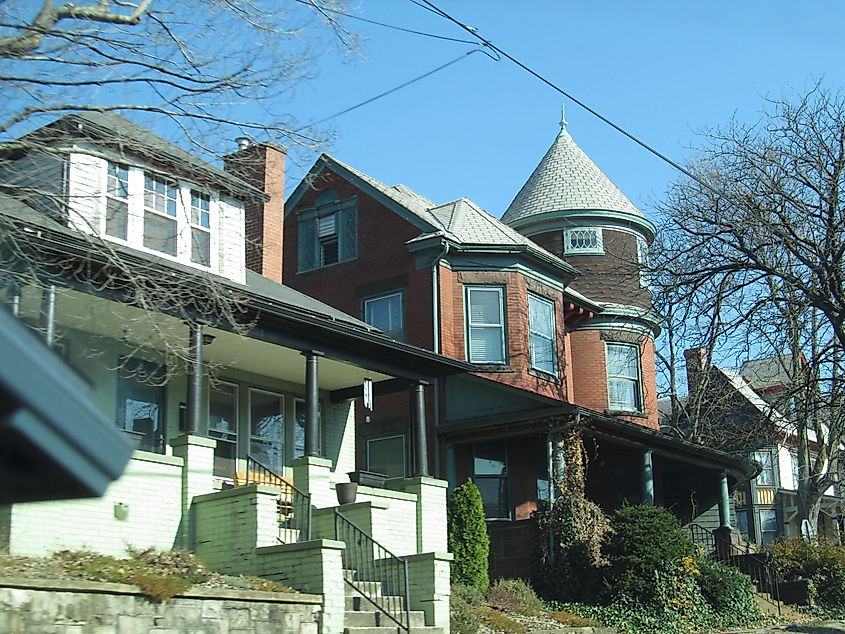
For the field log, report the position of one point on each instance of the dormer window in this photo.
(583, 240)
(160, 228)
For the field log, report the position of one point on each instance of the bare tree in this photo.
(751, 264)
(187, 70)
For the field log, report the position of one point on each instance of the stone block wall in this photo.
(80, 607)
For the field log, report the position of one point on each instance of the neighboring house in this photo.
(748, 411)
(108, 209)
(550, 306)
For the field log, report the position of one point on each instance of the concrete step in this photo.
(358, 603)
(392, 630)
(371, 588)
(367, 618)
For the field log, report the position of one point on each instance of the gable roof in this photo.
(460, 221)
(128, 139)
(566, 180)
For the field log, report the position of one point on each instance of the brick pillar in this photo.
(431, 511)
(311, 475)
(315, 567)
(197, 479)
(428, 578)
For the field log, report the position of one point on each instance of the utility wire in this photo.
(435, 9)
(400, 86)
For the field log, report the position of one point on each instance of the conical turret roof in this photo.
(566, 180)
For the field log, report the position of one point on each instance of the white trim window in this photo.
(624, 388)
(267, 428)
(583, 240)
(485, 323)
(117, 201)
(766, 477)
(223, 427)
(388, 456)
(160, 223)
(386, 313)
(200, 222)
(541, 334)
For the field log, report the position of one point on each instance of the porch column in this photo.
(48, 314)
(420, 444)
(648, 478)
(724, 501)
(195, 378)
(312, 402)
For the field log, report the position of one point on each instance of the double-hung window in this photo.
(624, 389)
(200, 228)
(583, 240)
(485, 324)
(490, 475)
(223, 427)
(386, 314)
(328, 233)
(541, 334)
(117, 201)
(267, 428)
(160, 226)
(766, 477)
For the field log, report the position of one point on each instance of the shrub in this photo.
(514, 595)
(644, 539)
(468, 539)
(462, 609)
(729, 592)
(822, 563)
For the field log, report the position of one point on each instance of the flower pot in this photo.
(346, 492)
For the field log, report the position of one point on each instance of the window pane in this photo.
(223, 427)
(485, 306)
(266, 425)
(141, 403)
(623, 377)
(767, 475)
(622, 394)
(117, 218)
(584, 240)
(118, 181)
(541, 334)
(494, 497)
(160, 233)
(200, 247)
(307, 244)
(385, 313)
(485, 345)
(326, 226)
(490, 458)
(299, 429)
(387, 456)
(486, 325)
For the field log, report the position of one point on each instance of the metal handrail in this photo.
(293, 505)
(702, 537)
(376, 568)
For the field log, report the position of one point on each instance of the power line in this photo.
(400, 86)
(430, 6)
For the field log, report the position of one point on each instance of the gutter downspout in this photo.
(435, 319)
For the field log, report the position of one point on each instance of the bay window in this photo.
(117, 201)
(160, 226)
(541, 334)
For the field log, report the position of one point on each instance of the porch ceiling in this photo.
(136, 327)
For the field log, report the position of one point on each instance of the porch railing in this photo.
(293, 505)
(758, 566)
(374, 572)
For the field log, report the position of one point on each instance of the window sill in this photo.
(545, 376)
(324, 267)
(492, 367)
(626, 412)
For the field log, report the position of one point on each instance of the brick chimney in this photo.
(262, 165)
(697, 365)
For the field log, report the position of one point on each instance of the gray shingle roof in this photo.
(566, 180)
(461, 221)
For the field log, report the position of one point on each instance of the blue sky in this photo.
(660, 69)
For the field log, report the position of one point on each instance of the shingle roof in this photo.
(461, 221)
(768, 372)
(566, 180)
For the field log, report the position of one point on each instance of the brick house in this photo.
(549, 304)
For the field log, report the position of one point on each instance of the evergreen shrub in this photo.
(463, 603)
(643, 539)
(822, 563)
(468, 539)
(729, 592)
(514, 595)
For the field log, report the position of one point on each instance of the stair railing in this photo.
(703, 538)
(293, 506)
(374, 566)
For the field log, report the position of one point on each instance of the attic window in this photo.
(117, 201)
(583, 240)
(160, 215)
(328, 233)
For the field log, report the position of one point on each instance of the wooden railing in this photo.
(294, 506)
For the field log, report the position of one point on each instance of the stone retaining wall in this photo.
(39, 606)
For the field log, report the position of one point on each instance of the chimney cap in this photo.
(243, 142)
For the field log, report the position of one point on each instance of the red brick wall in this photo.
(517, 372)
(589, 374)
(383, 263)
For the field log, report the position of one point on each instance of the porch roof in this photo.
(599, 424)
